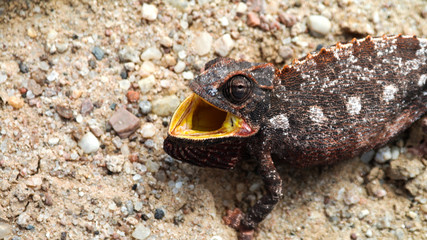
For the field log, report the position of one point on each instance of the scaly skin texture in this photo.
(333, 105)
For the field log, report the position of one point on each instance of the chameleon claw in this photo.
(234, 219)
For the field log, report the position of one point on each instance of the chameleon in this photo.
(331, 105)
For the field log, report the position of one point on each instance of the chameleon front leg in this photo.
(246, 223)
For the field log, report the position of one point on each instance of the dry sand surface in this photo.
(66, 67)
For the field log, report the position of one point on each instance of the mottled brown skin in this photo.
(333, 105)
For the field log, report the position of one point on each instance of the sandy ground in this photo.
(51, 189)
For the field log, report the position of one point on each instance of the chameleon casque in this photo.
(332, 105)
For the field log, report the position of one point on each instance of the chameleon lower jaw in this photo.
(195, 118)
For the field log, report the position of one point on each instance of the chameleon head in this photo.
(211, 126)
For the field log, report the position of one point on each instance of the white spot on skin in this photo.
(316, 114)
(422, 80)
(280, 121)
(353, 105)
(389, 92)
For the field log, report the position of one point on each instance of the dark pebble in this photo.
(353, 236)
(23, 68)
(75, 36)
(98, 53)
(92, 63)
(30, 227)
(144, 217)
(124, 74)
(318, 47)
(63, 235)
(159, 214)
(113, 106)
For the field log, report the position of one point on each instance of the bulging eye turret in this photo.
(237, 89)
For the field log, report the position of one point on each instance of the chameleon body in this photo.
(332, 105)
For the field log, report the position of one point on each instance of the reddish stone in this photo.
(253, 19)
(133, 96)
(124, 123)
(22, 90)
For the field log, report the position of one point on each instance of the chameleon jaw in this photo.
(197, 119)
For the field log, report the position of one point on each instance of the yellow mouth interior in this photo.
(195, 118)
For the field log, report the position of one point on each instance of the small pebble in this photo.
(150, 144)
(202, 43)
(98, 53)
(383, 155)
(61, 47)
(148, 130)
(52, 76)
(16, 102)
(286, 52)
(114, 163)
(188, 75)
(129, 54)
(179, 67)
(53, 141)
(287, 19)
(363, 213)
(146, 69)
(165, 106)
(124, 74)
(31, 32)
(367, 156)
(223, 45)
(412, 214)
(124, 84)
(318, 25)
(145, 106)
(34, 182)
(5, 230)
(22, 219)
(423, 208)
(241, 8)
(253, 19)
(129, 66)
(124, 123)
(133, 96)
(159, 214)
(34, 87)
(3, 77)
(151, 53)
(149, 12)
(141, 232)
(89, 143)
(64, 111)
(146, 84)
(166, 42)
(368, 233)
(23, 67)
(86, 106)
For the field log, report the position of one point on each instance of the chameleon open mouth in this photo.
(196, 118)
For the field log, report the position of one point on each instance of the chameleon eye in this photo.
(237, 89)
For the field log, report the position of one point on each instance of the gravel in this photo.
(318, 25)
(89, 143)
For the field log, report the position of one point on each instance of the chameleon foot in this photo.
(234, 219)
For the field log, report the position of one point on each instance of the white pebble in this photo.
(53, 141)
(141, 232)
(146, 84)
(395, 151)
(241, 8)
(148, 130)
(224, 45)
(383, 155)
(124, 84)
(179, 67)
(165, 106)
(363, 213)
(202, 43)
(182, 54)
(115, 163)
(368, 233)
(151, 53)
(223, 21)
(188, 75)
(52, 76)
(3, 77)
(318, 25)
(89, 143)
(149, 12)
